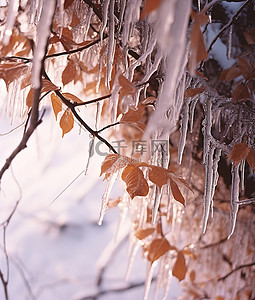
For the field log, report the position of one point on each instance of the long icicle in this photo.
(110, 44)
(234, 198)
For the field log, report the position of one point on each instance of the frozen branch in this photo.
(236, 269)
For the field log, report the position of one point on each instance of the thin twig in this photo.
(231, 21)
(108, 126)
(236, 269)
(93, 100)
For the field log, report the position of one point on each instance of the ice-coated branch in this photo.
(43, 33)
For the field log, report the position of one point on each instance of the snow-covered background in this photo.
(55, 247)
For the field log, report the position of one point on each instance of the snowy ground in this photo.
(55, 247)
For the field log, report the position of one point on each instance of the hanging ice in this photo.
(110, 44)
(11, 16)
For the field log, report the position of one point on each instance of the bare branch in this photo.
(108, 126)
(236, 269)
(93, 100)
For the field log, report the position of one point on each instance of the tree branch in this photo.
(231, 21)
(108, 126)
(236, 269)
(92, 101)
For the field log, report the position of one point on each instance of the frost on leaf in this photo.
(157, 248)
(66, 122)
(107, 164)
(133, 116)
(56, 104)
(72, 97)
(180, 269)
(10, 71)
(136, 183)
(238, 153)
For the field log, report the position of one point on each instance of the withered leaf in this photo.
(143, 233)
(158, 175)
(10, 71)
(251, 159)
(133, 116)
(72, 97)
(108, 162)
(180, 269)
(176, 192)
(30, 98)
(240, 93)
(192, 275)
(66, 122)
(193, 92)
(250, 36)
(238, 153)
(69, 72)
(127, 87)
(157, 248)
(136, 183)
(56, 104)
(244, 67)
(48, 86)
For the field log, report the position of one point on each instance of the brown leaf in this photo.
(56, 104)
(176, 192)
(150, 5)
(240, 93)
(192, 275)
(180, 269)
(193, 92)
(69, 72)
(133, 116)
(75, 20)
(127, 87)
(108, 162)
(250, 36)
(125, 172)
(157, 248)
(48, 86)
(158, 175)
(143, 233)
(68, 3)
(30, 98)
(113, 202)
(72, 97)
(244, 67)
(10, 71)
(251, 159)
(66, 122)
(238, 153)
(136, 183)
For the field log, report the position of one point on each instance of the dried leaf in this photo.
(193, 92)
(133, 116)
(251, 159)
(149, 6)
(244, 67)
(108, 162)
(68, 3)
(143, 233)
(176, 192)
(72, 97)
(250, 36)
(240, 93)
(157, 248)
(127, 87)
(69, 72)
(30, 98)
(125, 172)
(48, 86)
(136, 183)
(75, 20)
(192, 275)
(66, 122)
(238, 153)
(158, 175)
(56, 104)
(180, 269)
(10, 71)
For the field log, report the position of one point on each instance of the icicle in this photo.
(42, 38)
(121, 15)
(207, 126)
(104, 13)
(86, 23)
(184, 127)
(91, 152)
(199, 5)
(61, 16)
(234, 198)
(110, 44)
(242, 169)
(123, 207)
(105, 197)
(157, 198)
(114, 98)
(229, 43)
(11, 16)
(148, 280)
(98, 114)
(192, 112)
(133, 252)
(154, 67)
(208, 186)
(215, 175)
